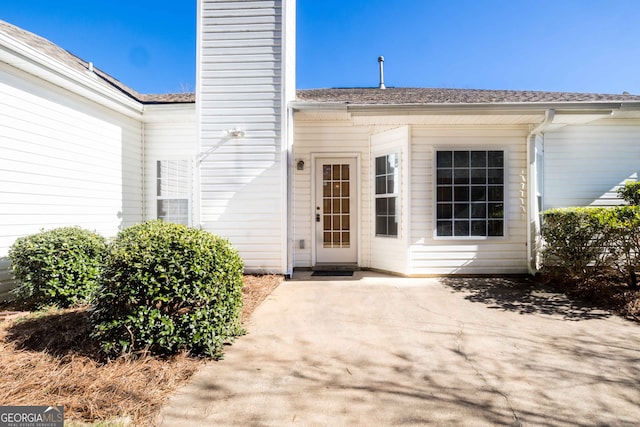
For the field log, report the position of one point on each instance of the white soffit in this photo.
(449, 119)
(562, 119)
(322, 115)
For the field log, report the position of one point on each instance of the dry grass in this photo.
(255, 290)
(47, 358)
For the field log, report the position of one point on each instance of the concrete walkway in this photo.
(384, 351)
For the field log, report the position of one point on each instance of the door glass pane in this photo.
(336, 200)
(326, 189)
(345, 222)
(345, 172)
(326, 172)
(345, 189)
(336, 172)
(337, 189)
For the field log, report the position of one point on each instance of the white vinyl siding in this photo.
(170, 135)
(334, 138)
(585, 165)
(416, 251)
(440, 256)
(244, 84)
(64, 161)
(390, 254)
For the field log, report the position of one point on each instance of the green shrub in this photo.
(630, 193)
(579, 241)
(57, 267)
(623, 229)
(168, 287)
(576, 241)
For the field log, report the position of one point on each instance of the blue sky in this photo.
(557, 45)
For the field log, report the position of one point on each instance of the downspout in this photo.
(289, 174)
(549, 115)
(144, 167)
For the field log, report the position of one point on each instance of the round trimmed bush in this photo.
(57, 267)
(167, 287)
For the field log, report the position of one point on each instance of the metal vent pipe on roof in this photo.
(381, 62)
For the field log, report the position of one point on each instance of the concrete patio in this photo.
(387, 351)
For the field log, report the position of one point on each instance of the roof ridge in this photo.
(71, 60)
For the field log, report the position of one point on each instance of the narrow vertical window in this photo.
(172, 181)
(469, 193)
(387, 185)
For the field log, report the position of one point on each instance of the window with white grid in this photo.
(387, 192)
(172, 191)
(470, 193)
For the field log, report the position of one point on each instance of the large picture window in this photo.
(173, 191)
(469, 193)
(386, 195)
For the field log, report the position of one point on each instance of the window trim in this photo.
(434, 188)
(397, 194)
(189, 195)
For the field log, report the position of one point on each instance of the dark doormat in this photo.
(332, 273)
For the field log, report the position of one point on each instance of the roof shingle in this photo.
(428, 96)
(65, 57)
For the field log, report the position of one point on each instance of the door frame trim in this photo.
(332, 155)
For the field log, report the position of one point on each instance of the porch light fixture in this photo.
(235, 133)
(300, 165)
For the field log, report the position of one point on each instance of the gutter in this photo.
(532, 213)
(604, 108)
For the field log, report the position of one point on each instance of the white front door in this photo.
(335, 210)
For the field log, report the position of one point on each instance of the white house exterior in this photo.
(556, 149)
(76, 145)
(245, 81)
(409, 181)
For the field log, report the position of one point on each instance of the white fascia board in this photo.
(504, 108)
(25, 58)
(317, 106)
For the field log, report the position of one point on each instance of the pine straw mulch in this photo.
(604, 290)
(47, 358)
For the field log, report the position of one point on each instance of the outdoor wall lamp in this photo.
(300, 165)
(235, 133)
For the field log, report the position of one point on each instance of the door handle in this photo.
(317, 217)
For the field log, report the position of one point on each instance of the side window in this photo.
(173, 191)
(469, 193)
(387, 183)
